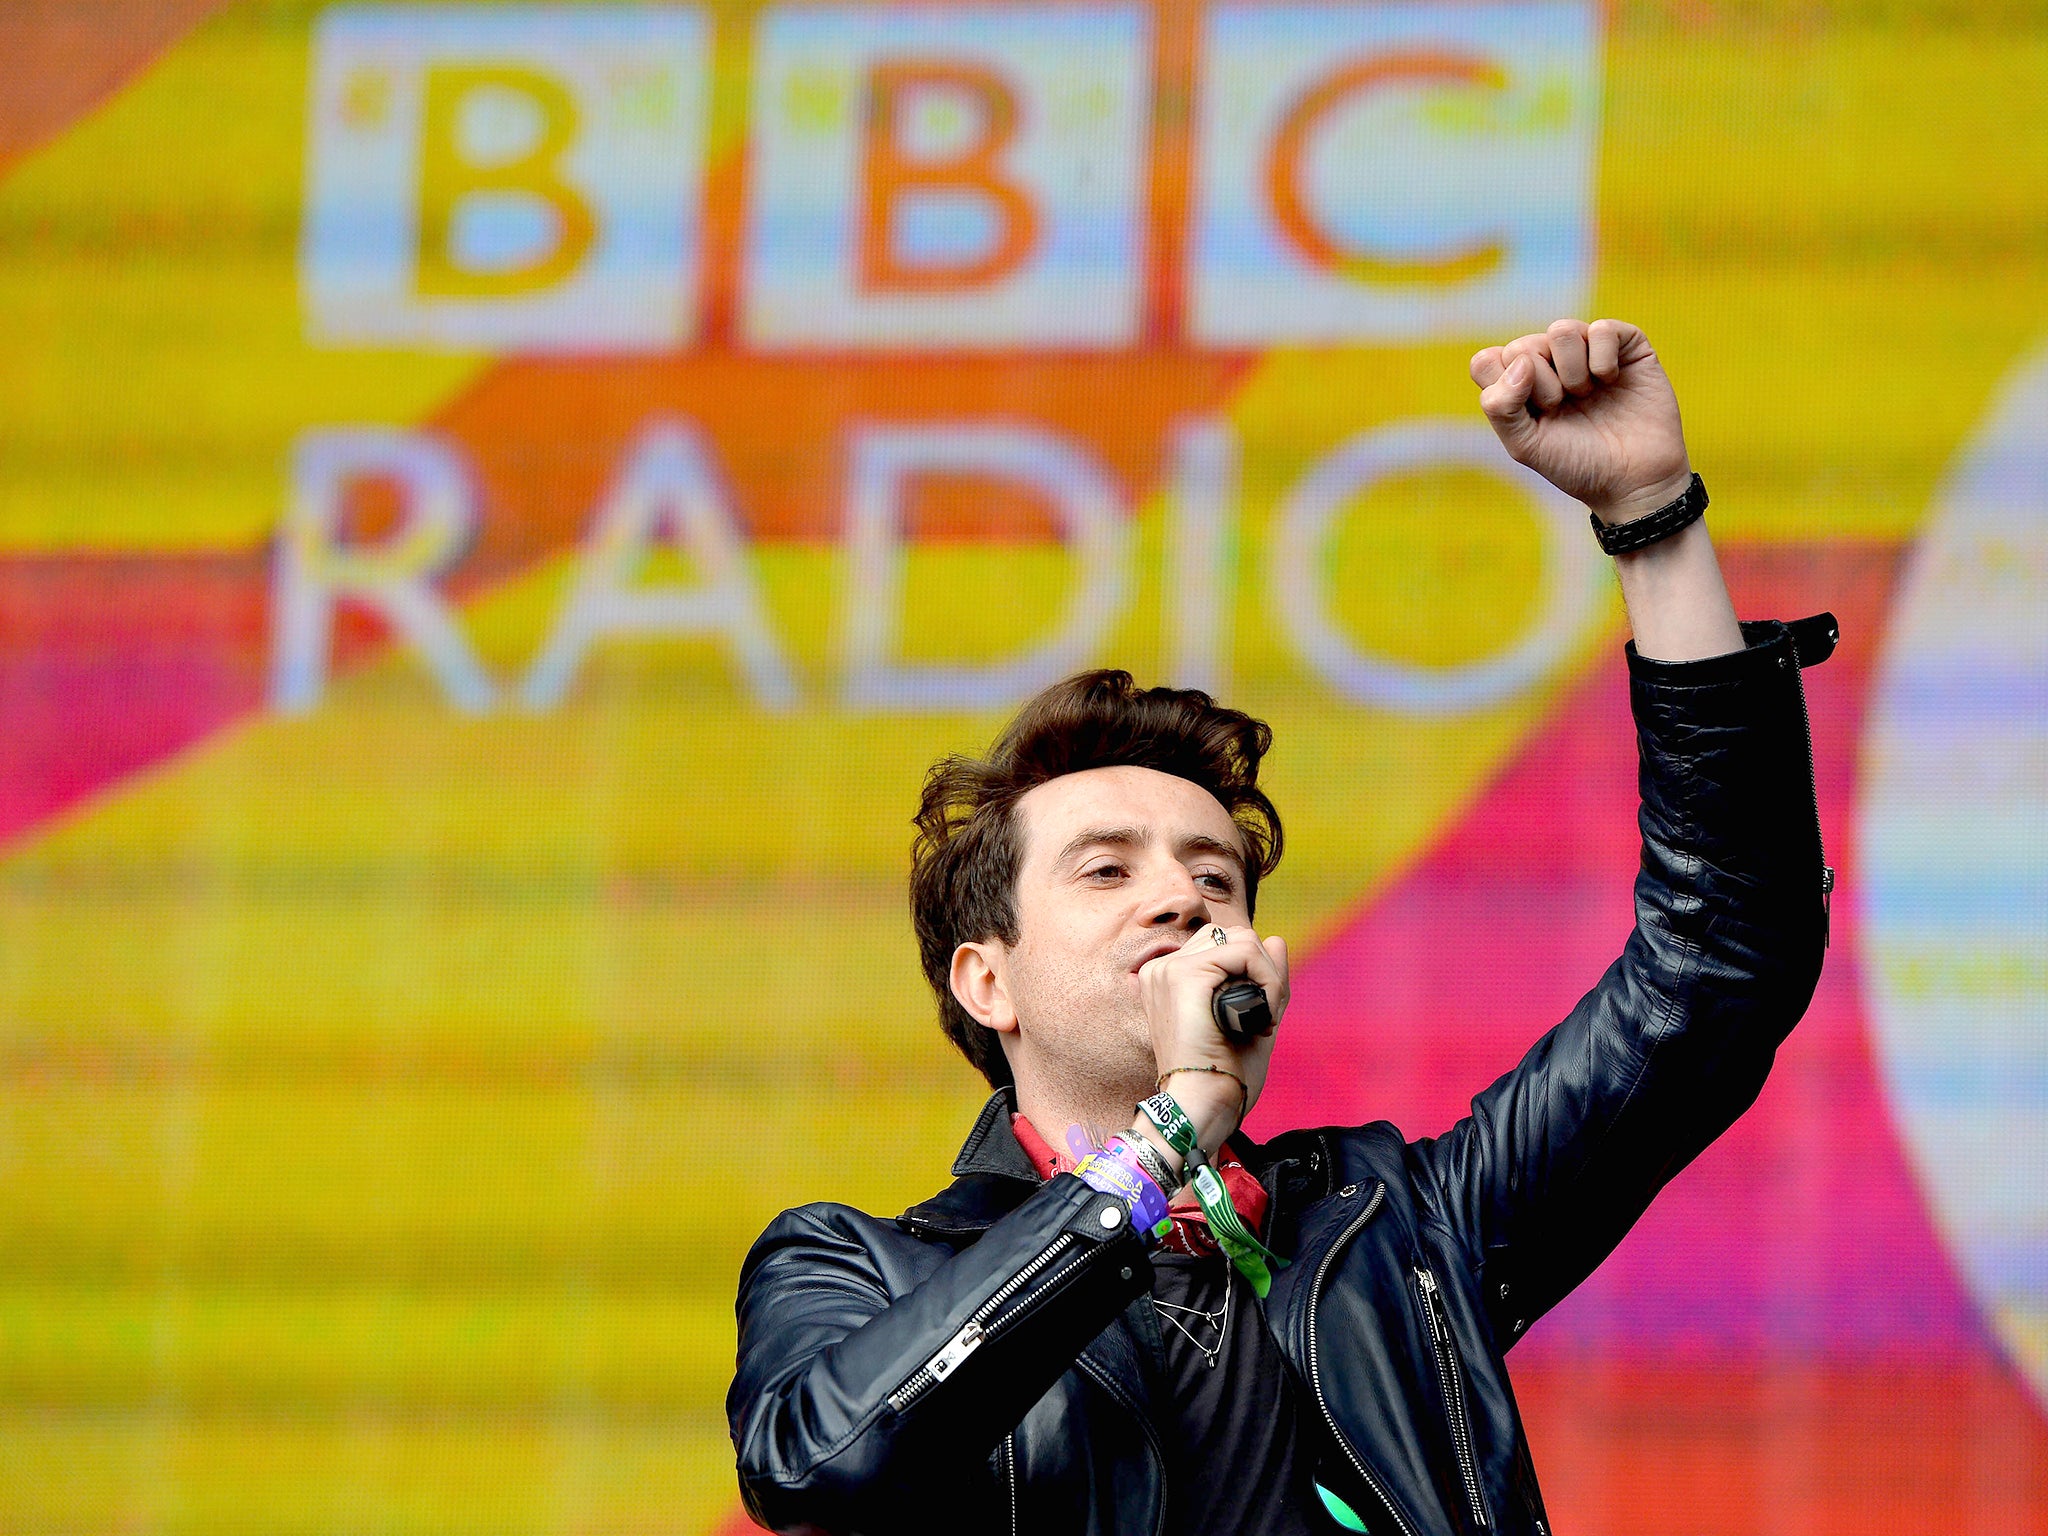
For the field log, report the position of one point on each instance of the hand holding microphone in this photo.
(1214, 1004)
(1240, 1007)
(1240, 1011)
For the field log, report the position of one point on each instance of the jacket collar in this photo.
(992, 1146)
(991, 1176)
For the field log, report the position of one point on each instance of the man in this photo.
(1037, 1348)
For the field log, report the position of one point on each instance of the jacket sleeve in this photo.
(852, 1408)
(1561, 1156)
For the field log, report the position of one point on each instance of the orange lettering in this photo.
(1290, 147)
(888, 175)
(446, 177)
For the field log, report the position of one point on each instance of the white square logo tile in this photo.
(932, 177)
(1392, 172)
(504, 179)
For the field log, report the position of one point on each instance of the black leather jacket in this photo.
(978, 1361)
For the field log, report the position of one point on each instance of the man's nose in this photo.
(1177, 902)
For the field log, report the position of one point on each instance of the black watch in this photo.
(1620, 538)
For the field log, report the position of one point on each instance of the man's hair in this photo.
(963, 873)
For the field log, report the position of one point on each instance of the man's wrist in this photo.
(1629, 506)
(1159, 1163)
(1146, 1131)
(1212, 1100)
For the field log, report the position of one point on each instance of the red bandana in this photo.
(1190, 1227)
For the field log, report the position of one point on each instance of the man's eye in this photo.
(1222, 883)
(1103, 869)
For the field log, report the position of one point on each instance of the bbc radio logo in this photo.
(972, 177)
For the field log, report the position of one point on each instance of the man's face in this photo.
(1117, 865)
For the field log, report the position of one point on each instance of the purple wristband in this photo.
(1150, 1206)
(1113, 1170)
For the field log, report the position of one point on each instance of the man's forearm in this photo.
(1678, 604)
(838, 1410)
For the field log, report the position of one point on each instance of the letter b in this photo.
(489, 178)
(947, 176)
(458, 183)
(893, 180)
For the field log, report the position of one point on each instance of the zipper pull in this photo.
(962, 1344)
(1427, 1282)
(1827, 901)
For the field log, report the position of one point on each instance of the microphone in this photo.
(1240, 1010)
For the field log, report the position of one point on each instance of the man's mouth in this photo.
(1152, 952)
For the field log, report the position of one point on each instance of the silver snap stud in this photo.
(1127, 1271)
(1348, 1191)
(1111, 1216)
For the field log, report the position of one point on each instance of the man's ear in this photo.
(980, 983)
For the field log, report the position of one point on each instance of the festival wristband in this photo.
(1145, 1198)
(1253, 1259)
(1113, 1171)
(1164, 1111)
(1150, 1211)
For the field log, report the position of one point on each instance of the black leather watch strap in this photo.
(1620, 538)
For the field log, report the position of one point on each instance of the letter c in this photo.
(1300, 223)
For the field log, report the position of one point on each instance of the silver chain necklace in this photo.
(1218, 1316)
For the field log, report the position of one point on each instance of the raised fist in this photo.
(1589, 409)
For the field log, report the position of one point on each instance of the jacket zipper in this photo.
(1315, 1369)
(973, 1333)
(1451, 1374)
(1010, 1467)
(1827, 874)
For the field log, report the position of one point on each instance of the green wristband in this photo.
(1252, 1258)
(1164, 1111)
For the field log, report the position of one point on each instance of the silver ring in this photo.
(1219, 937)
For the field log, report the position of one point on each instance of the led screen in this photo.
(499, 506)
